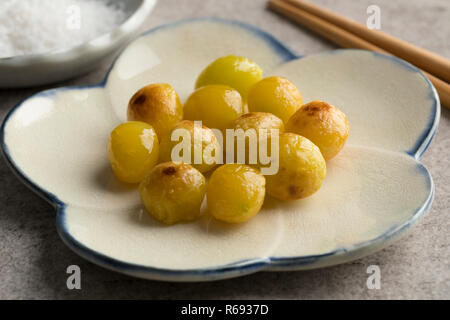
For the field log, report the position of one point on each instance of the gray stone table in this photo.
(33, 260)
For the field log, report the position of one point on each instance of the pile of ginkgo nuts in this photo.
(230, 94)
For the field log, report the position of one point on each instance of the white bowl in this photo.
(54, 66)
(374, 191)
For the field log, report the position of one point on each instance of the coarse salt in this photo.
(39, 26)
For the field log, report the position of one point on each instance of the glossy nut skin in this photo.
(215, 105)
(173, 192)
(275, 95)
(257, 121)
(133, 150)
(237, 72)
(208, 142)
(157, 104)
(323, 124)
(235, 193)
(302, 169)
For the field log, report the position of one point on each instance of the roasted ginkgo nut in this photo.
(323, 124)
(237, 72)
(173, 192)
(265, 125)
(206, 148)
(133, 150)
(215, 105)
(156, 104)
(235, 193)
(275, 95)
(258, 120)
(301, 171)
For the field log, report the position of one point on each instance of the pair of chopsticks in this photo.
(350, 34)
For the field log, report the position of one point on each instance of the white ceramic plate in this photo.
(374, 190)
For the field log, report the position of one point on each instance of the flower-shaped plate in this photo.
(375, 189)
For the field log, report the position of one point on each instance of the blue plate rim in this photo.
(242, 267)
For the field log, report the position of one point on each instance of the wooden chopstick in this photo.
(344, 38)
(424, 59)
